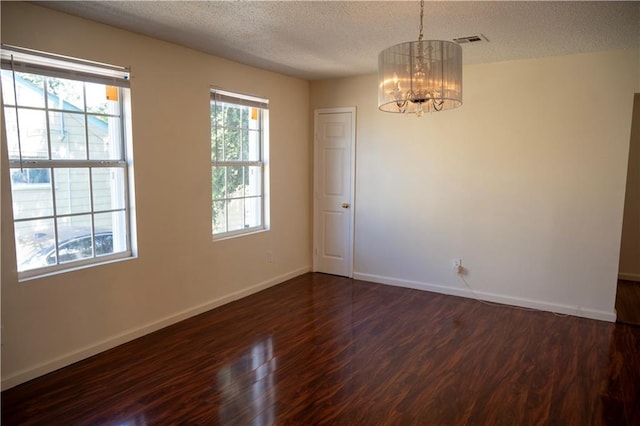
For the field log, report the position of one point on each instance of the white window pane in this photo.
(244, 117)
(218, 182)
(7, 87)
(28, 175)
(234, 182)
(235, 215)
(31, 193)
(34, 243)
(65, 94)
(33, 134)
(97, 101)
(232, 132)
(11, 131)
(73, 194)
(232, 144)
(75, 240)
(253, 212)
(252, 181)
(108, 188)
(105, 138)
(111, 233)
(245, 144)
(67, 134)
(217, 132)
(252, 146)
(219, 217)
(217, 144)
(29, 88)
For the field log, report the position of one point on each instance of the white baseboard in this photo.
(111, 342)
(492, 297)
(628, 277)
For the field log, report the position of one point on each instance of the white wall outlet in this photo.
(457, 266)
(269, 257)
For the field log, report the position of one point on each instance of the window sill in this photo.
(25, 276)
(238, 234)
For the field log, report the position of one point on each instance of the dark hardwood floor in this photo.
(628, 302)
(320, 349)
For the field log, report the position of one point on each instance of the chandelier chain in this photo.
(421, 18)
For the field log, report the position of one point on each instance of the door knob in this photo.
(345, 205)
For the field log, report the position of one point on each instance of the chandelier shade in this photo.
(420, 76)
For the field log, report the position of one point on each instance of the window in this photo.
(239, 174)
(67, 127)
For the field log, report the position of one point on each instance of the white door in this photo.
(334, 157)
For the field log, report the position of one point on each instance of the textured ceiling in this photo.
(317, 39)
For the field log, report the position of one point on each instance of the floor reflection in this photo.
(247, 386)
(139, 420)
(620, 397)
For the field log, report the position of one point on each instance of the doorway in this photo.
(628, 291)
(333, 190)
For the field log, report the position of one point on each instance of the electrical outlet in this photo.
(269, 257)
(457, 266)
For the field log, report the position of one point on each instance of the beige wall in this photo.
(50, 322)
(525, 182)
(630, 247)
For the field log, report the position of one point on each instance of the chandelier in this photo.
(420, 76)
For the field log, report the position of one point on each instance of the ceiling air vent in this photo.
(470, 39)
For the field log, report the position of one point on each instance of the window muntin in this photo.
(66, 137)
(238, 166)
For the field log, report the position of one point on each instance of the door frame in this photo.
(352, 185)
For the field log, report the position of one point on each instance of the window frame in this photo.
(47, 65)
(262, 105)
